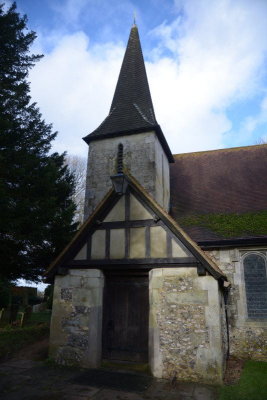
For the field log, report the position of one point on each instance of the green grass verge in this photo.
(14, 339)
(252, 384)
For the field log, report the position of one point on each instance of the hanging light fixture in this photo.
(119, 180)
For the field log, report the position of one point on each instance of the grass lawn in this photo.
(252, 384)
(13, 339)
(40, 318)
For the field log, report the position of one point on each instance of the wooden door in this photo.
(125, 318)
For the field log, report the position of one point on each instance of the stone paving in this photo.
(35, 380)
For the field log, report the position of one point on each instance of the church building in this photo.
(169, 266)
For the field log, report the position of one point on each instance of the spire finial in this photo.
(134, 18)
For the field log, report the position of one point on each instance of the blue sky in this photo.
(206, 63)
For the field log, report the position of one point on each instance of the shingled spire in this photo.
(132, 109)
(132, 94)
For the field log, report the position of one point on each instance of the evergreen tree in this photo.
(36, 187)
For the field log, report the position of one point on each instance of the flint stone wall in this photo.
(248, 337)
(76, 323)
(186, 339)
(143, 157)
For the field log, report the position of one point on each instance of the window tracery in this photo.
(255, 266)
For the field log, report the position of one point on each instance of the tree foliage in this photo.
(36, 187)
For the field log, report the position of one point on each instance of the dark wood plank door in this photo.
(125, 318)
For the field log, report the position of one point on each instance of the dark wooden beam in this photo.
(230, 243)
(136, 261)
(124, 267)
(107, 244)
(127, 206)
(201, 271)
(169, 246)
(62, 271)
(127, 242)
(89, 245)
(127, 224)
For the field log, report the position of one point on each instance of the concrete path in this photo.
(34, 380)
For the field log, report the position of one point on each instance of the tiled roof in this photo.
(218, 182)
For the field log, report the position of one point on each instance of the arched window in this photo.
(256, 285)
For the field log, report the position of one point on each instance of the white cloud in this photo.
(218, 50)
(40, 286)
(73, 86)
(215, 58)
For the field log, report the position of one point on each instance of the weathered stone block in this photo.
(190, 297)
(184, 338)
(182, 272)
(86, 273)
(148, 164)
(76, 322)
(66, 294)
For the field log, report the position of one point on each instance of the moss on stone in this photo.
(230, 225)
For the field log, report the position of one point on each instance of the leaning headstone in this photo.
(26, 316)
(20, 318)
(4, 317)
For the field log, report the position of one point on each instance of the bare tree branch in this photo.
(262, 140)
(77, 166)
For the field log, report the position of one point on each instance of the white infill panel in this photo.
(82, 254)
(158, 242)
(137, 243)
(117, 213)
(137, 210)
(117, 243)
(178, 251)
(98, 246)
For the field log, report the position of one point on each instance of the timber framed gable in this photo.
(131, 231)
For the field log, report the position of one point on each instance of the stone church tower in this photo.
(132, 286)
(131, 122)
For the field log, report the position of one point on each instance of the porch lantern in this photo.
(120, 183)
